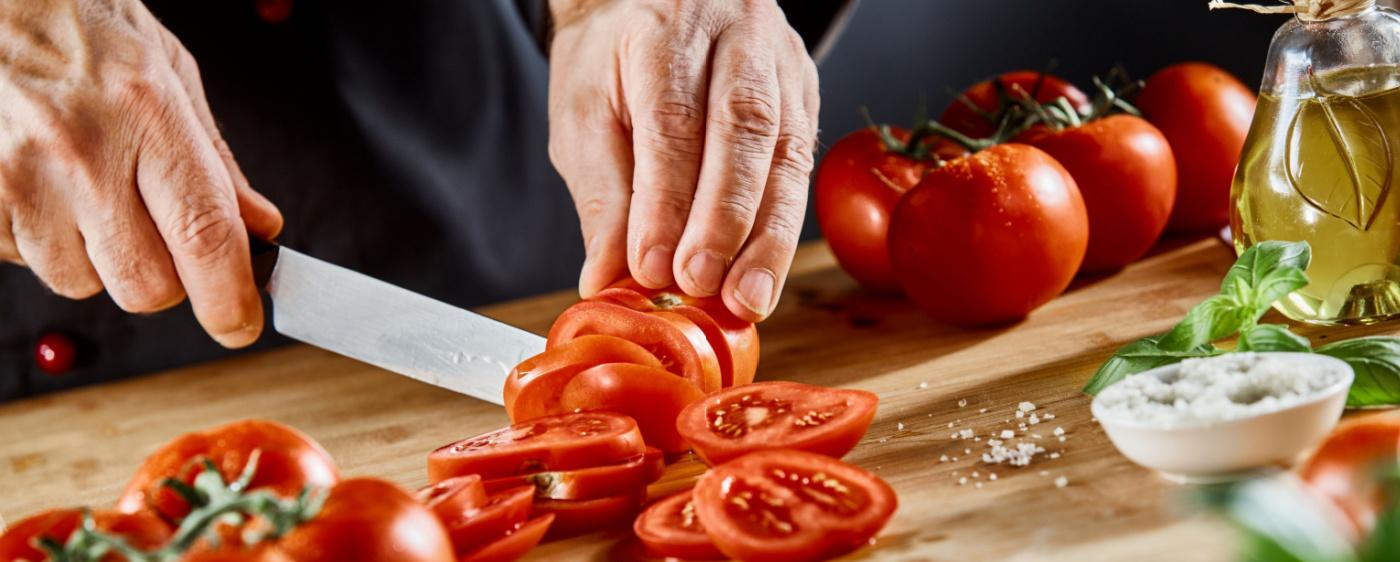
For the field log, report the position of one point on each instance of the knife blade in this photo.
(363, 318)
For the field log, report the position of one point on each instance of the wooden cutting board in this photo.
(79, 447)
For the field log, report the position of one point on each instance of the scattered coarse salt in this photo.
(966, 433)
(1035, 436)
(1049, 416)
(967, 451)
(1061, 482)
(901, 426)
(953, 436)
(950, 425)
(1062, 439)
(1020, 414)
(1044, 473)
(1054, 455)
(1021, 425)
(955, 459)
(1034, 419)
(982, 411)
(943, 458)
(992, 476)
(975, 474)
(1220, 388)
(1020, 456)
(955, 473)
(1026, 407)
(1007, 434)
(979, 484)
(882, 439)
(962, 480)
(977, 439)
(962, 402)
(1059, 431)
(923, 385)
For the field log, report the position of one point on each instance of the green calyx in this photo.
(921, 136)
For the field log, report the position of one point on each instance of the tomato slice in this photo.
(515, 544)
(573, 517)
(142, 530)
(454, 499)
(735, 341)
(784, 504)
(562, 442)
(502, 513)
(652, 397)
(589, 483)
(732, 422)
(532, 389)
(674, 339)
(670, 528)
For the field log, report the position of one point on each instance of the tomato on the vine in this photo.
(288, 461)
(1205, 113)
(1042, 87)
(1124, 169)
(988, 238)
(734, 422)
(533, 388)
(562, 442)
(791, 505)
(858, 184)
(20, 541)
(670, 528)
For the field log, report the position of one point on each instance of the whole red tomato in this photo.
(988, 238)
(18, 543)
(1205, 114)
(1044, 88)
(288, 461)
(858, 184)
(1123, 167)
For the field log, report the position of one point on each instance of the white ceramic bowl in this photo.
(1226, 450)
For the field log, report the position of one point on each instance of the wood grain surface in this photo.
(79, 447)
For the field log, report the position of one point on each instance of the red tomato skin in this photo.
(833, 437)
(989, 238)
(368, 520)
(857, 186)
(564, 442)
(455, 499)
(574, 517)
(817, 533)
(533, 388)
(651, 396)
(141, 530)
(288, 461)
(515, 545)
(1125, 171)
(680, 344)
(1343, 470)
(504, 512)
(592, 482)
(961, 118)
(668, 532)
(1205, 113)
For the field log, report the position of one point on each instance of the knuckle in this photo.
(794, 157)
(661, 200)
(737, 204)
(750, 113)
(783, 222)
(204, 232)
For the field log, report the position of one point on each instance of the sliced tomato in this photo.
(732, 422)
(562, 442)
(670, 528)
(735, 341)
(454, 499)
(588, 483)
(143, 531)
(1346, 467)
(288, 461)
(503, 512)
(785, 504)
(652, 397)
(573, 517)
(515, 544)
(674, 339)
(532, 389)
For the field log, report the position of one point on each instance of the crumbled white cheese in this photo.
(1007, 434)
(1061, 482)
(1026, 407)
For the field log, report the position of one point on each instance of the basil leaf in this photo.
(1376, 361)
(1272, 337)
(1259, 265)
(1139, 356)
(1217, 317)
(1385, 537)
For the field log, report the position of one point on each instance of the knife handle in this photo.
(264, 259)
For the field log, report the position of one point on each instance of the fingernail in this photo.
(705, 271)
(240, 338)
(656, 265)
(755, 291)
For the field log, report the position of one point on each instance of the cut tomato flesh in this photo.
(502, 512)
(562, 442)
(671, 528)
(452, 500)
(532, 389)
(573, 517)
(652, 397)
(514, 545)
(792, 505)
(674, 339)
(589, 483)
(735, 421)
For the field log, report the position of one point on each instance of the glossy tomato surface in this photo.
(857, 186)
(671, 528)
(988, 238)
(562, 442)
(142, 531)
(593, 482)
(534, 387)
(792, 505)
(288, 461)
(1205, 113)
(1346, 469)
(1124, 169)
(574, 517)
(963, 119)
(515, 545)
(734, 341)
(653, 397)
(368, 520)
(503, 512)
(674, 339)
(455, 499)
(731, 423)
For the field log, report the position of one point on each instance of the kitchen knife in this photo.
(364, 318)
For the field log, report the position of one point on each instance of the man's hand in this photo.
(685, 130)
(112, 172)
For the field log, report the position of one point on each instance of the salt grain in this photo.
(1007, 434)
(1026, 407)
(1061, 482)
(901, 426)
(1034, 419)
(1059, 431)
(943, 458)
(962, 402)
